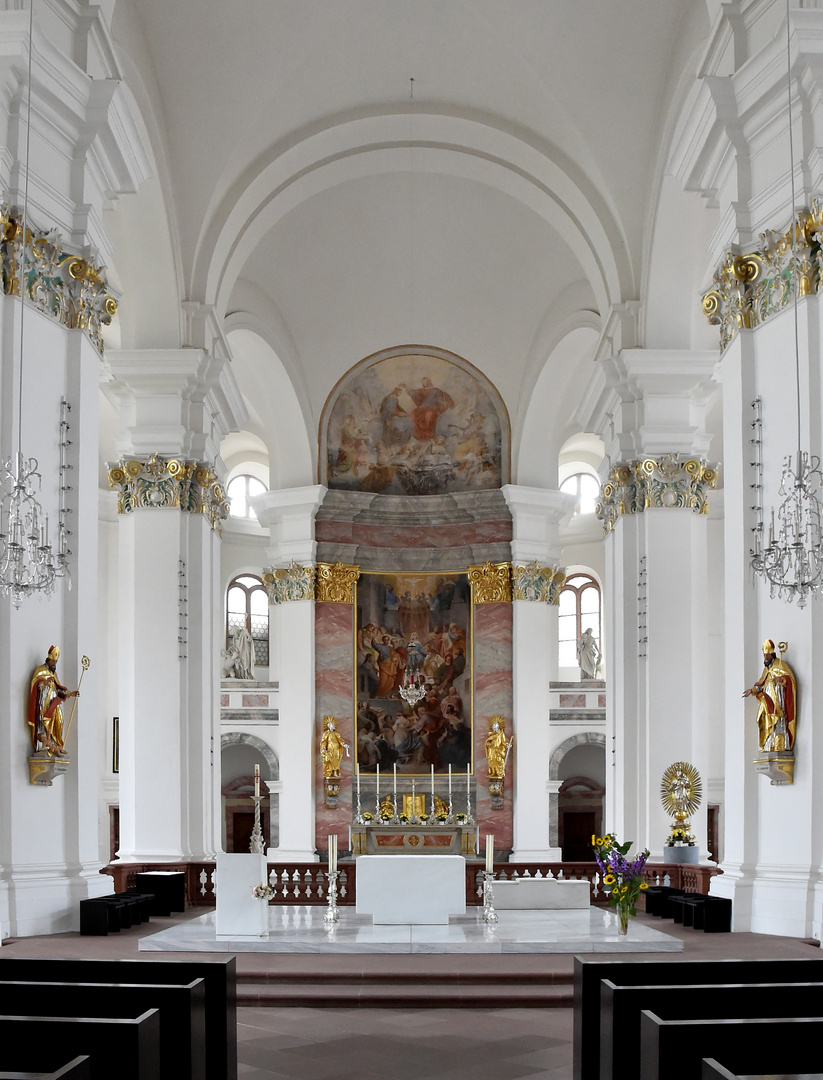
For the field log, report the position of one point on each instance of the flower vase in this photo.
(622, 920)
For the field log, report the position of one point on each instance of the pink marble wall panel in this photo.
(334, 696)
(493, 696)
(224, 701)
(601, 701)
(572, 701)
(255, 701)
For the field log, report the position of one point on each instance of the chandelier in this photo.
(27, 563)
(792, 561)
(413, 688)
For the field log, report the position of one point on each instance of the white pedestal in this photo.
(545, 893)
(238, 912)
(411, 889)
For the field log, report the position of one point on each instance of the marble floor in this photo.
(301, 930)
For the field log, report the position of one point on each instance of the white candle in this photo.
(432, 781)
(257, 781)
(395, 777)
(468, 781)
(377, 784)
(450, 779)
(349, 837)
(357, 773)
(490, 853)
(334, 850)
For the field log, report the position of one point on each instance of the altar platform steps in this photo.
(424, 989)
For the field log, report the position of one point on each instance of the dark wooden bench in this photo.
(78, 1068)
(621, 1008)
(589, 972)
(675, 1049)
(127, 1047)
(219, 976)
(181, 1008)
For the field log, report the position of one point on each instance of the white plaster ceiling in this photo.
(308, 192)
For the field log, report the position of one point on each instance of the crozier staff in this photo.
(45, 715)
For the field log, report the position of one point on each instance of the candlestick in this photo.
(257, 781)
(489, 853)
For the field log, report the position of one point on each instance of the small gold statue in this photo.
(497, 748)
(332, 746)
(680, 791)
(387, 807)
(440, 806)
(45, 716)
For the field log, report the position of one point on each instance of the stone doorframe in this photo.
(557, 756)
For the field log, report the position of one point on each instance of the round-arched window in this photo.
(586, 487)
(240, 489)
(579, 610)
(247, 604)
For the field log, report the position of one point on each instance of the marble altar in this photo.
(411, 889)
(238, 912)
(541, 893)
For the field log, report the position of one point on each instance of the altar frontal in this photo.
(411, 889)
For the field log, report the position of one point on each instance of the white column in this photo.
(177, 404)
(289, 515)
(535, 517)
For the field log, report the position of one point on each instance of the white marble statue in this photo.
(588, 655)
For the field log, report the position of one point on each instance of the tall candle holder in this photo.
(489, 914)
(256, 845)
(413, 819)
(358, 817)
(331, 915)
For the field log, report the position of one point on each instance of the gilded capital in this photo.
(70, 288)
(748, 289)
(666, 481)
(157, 482)
(287, 583)
(336, 583)
(491, 583)
(541, 584)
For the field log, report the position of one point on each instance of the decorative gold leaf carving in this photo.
(491, 583)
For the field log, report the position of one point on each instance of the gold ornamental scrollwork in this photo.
(541, 584)
(491, 583)
(336, 583)
(666, 481)
(748, 289)
(157, 482)
(293, 582)
(59, 283)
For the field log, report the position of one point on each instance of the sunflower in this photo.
(644, 885)
(608, 879)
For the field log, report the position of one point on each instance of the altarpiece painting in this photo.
(420, 623)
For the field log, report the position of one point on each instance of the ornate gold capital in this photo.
(65, 286)
(293, 582)
(491, 583)
(748, 289)
(538, 583)
(155, 482)
(336, 583)
(667, 481)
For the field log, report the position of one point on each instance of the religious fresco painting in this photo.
(420, 623)
(415, 424)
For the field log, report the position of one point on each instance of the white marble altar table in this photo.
(411, 889)
(541, 893)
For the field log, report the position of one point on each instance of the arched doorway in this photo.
(577, 769)
(240, 752)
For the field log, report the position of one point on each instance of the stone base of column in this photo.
(549, 854)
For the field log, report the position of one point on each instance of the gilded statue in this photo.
(332, 746)
(387, 807)
(45, 716)
(497, 748)
(776, 692)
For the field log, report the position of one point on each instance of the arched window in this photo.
(247, 604)
(239, 490)
(579, 611)
(587, 489)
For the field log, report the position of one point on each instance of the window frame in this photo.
(249, 515)
(237, 583)
(578, 493)
(588, 582)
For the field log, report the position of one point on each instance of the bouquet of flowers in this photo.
(368, 817)
(262, 892)
(622, 880)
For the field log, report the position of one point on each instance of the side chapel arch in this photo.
(269, 773)
(583, 738)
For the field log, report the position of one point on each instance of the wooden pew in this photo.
(588, 973)
(77, 1069)
(713, 1070)
(219, 976)
(181, 1008)
(675, 1049)
(621, 1008)
(127, 1048)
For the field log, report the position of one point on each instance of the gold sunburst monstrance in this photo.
(681, 791)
